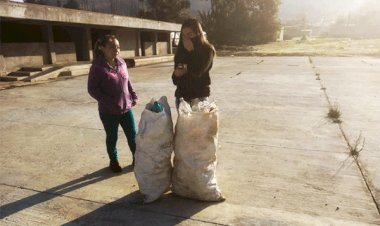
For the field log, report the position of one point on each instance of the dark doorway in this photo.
(76, 35)
(14, 32)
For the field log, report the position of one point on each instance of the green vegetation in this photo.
(166, 10)
(240, 22)
(312, 47)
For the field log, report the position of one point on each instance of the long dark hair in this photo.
(196, 27)
(102, 41)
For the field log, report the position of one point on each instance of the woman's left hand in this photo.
(134, 103)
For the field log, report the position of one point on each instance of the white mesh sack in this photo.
(195, 146)
(154, 143)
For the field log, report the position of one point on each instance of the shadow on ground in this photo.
(128, 210)
(40, 197)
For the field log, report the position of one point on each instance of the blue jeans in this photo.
(111, 126)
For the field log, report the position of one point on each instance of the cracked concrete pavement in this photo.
(280, 160)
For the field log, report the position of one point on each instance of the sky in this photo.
(318, 11)
(315, 11)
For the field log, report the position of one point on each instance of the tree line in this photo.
(227, 22)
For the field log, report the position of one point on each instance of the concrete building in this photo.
(36, 35)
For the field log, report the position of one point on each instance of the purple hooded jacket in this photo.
(111, 88)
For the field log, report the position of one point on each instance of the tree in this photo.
(31, 1)
(241, 21)
(165, 10)
(72, 4)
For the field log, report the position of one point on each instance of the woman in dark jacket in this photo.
(192, 63)
(110, 85)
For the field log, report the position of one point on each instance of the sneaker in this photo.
(115, 167)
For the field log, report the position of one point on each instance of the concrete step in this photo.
(46, 72)
(142, 61)
(23, 73)
(66, 71)
(78, 72)
(36, 68)
(11, 78)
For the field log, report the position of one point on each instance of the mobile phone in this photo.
(181, 66)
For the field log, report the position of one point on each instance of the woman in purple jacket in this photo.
(109, 84)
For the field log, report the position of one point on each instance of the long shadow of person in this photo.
(129, 210)
(62, 189)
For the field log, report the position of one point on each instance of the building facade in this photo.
(35, 34)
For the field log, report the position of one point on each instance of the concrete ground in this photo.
(281, 160)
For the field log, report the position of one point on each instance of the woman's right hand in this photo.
(188, 44)
(178, 72)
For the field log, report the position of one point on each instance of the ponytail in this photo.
(101, 42)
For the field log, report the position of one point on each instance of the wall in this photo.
(20, 54)
(127, 40)
(162, 48)
(65, 52)
(2, 65)
(148, 48)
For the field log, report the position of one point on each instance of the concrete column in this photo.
(2, 65)
(170, 44)
(155, 52)
(2, 60)
(87, 44)
(49, 39)
(138, 51)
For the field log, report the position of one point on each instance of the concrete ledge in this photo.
(23, 73)
(153, 60)
(58, 14)
(11, 78)
(41, 68)
(72, 70)
(49, 72)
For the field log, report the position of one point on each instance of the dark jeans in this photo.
(111, 126)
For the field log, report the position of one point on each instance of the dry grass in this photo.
(358, 147)
(334, 114)
(312, 47)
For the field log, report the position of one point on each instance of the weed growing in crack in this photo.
(358, 147)
(334, 114)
